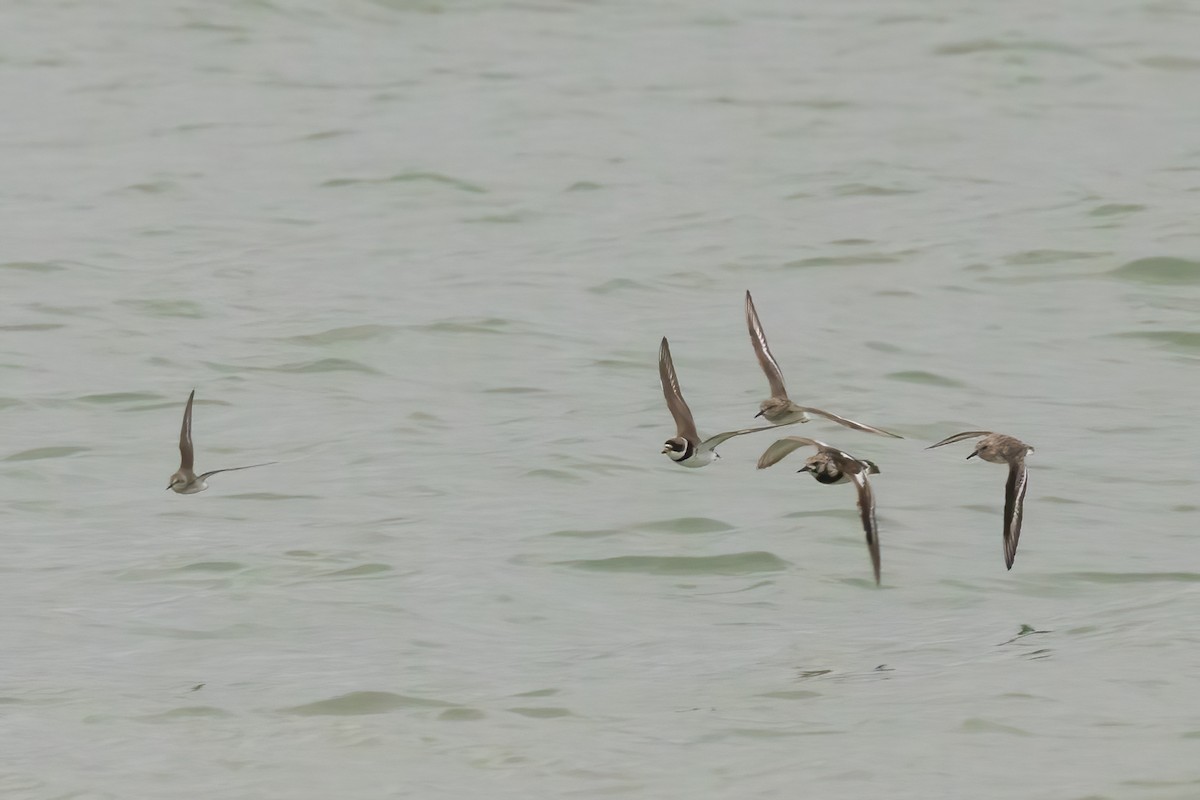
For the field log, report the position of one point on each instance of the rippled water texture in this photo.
(422, 253)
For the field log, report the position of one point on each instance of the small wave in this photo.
(1159, 269)
(356, 704)
(730, 564)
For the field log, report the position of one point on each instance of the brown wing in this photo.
(712, 441)
(759, 340)
(186, 453)
(958, 437)
(866, 509)
(781, 448)
(1014, 508)
(849, 423)
(685, 426)
(234, 469)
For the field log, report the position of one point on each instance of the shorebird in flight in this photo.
(185, 481)
(1001, 449)
(685, 447)
(830, 465)
(778, 408)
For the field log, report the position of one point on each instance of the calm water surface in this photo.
(422, 254)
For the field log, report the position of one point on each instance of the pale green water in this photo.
(424, 252)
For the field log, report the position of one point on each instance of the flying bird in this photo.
(830, 465)
(778, 408)
(185, 481)
(1001, 449)
(685, 447)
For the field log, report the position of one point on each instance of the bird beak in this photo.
(759, 414)
(973, 455)
(665, 449)
(168, 488)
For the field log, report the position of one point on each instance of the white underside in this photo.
(700, 458)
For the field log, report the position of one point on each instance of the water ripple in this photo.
(352, 333)
(925, 378)
(1181, 340)
(39, 453)
(687, 525)
(409, 177)
(356, 704)
(1160, 270)
(730, 564)
(1136, 577)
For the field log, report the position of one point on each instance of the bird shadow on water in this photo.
(1022, 640)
